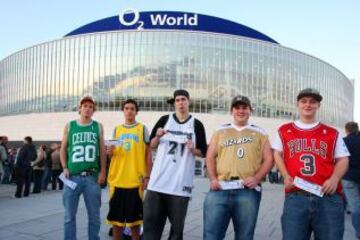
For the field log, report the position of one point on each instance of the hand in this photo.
(110, 150)
(145, 183)
(66, 173)
(329, 187)
(160, 132)
(215, 185)
(251, 182)
(191, 146)
(288, 182)
(101, 178)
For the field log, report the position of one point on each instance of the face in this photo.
(307, 107)
(241, 114)
(182, 104)
(130, 111)
(86, 109)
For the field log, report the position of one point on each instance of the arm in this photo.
(102, 175)
(211, 164)
(201, 144)
(279, 161)
(63, 152)
(20, 156)
(40, 157)
(158, 131)
(149, 164)
(341, 166)
(268, 162)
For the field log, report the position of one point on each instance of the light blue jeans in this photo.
(241, 205)
(89, 188)
(352, 193)
(306, 213)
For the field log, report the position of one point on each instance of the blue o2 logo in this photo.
(133, 21)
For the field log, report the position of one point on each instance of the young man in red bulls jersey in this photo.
(307, 150)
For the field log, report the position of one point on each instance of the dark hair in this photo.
(28, 139)
(352, 127)
(43, 147)
(132, 101)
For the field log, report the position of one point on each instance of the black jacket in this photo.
(352, 142)
(26, 155)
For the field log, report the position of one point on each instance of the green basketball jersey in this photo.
(83, 147)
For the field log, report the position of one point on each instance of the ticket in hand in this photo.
(113, 142)
(233, 184)
(67, 182)
(174, 138)
(308, 186)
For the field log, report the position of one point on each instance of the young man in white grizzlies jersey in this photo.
(177, 137)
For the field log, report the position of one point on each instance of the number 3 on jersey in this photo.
(309, 168)
(83, 153)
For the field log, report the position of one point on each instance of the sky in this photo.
(326, 29)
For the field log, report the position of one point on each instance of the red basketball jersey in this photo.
(309, 153)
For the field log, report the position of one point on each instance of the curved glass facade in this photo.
(149, 65)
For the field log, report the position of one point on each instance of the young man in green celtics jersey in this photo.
(238, 158)
(129, 172)
(83, 158)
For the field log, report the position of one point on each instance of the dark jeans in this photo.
(46, 178)
(23, 176)
(37, 174)
(55, 178)
(157, 208)
(304, 214)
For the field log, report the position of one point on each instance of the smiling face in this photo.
(307, 107)
(182, 104)
(241, 114)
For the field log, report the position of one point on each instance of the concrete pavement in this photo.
(40, 217)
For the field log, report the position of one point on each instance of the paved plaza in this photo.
(40, 217)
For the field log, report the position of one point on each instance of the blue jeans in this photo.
(352, 193)
(306, 213)
(91, 191)
(240, 205)
(46, 178)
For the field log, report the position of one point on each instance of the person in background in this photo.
(38, 168)
(47, 170)
(351, 180)
(26, 155)
(56, 167)
(4, 158)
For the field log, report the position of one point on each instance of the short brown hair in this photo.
(132, 101)
(352, 127)
(86, 99)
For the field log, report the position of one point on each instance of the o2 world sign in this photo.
(131, 17)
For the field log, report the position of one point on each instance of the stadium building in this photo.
(146, 56)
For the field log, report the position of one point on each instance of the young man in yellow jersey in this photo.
(238, 158)
(129, 172)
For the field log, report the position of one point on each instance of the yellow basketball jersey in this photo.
(128, 163)
(240, 152)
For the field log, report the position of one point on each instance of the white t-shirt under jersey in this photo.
(340, 147)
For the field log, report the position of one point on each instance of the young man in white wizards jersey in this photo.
(178, 137)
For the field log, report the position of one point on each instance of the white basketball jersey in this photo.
(174, 165)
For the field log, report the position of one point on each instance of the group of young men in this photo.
(238, 158)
